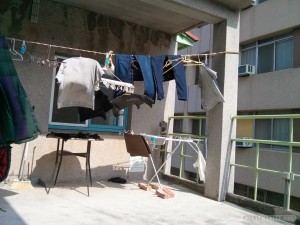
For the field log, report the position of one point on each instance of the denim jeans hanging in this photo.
(127, 73)
(178, 73)
(157, 64)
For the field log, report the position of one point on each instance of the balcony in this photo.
(111, 204)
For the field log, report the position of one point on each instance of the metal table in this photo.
(60, 152)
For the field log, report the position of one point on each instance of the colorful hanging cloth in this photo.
(17, 120)
(5, 157)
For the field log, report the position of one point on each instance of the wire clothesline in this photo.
(57, 46)
(104, 53)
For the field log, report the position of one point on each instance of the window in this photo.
(68, 118)
(269, 55)
(198, 127)
(272, 129)
(177, 126)
(266, 129)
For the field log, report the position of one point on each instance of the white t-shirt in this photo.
(77, 78)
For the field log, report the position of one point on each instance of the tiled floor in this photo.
(111, 204)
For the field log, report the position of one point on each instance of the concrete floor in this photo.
(111, 204)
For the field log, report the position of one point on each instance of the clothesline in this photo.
(104, 53)
(57, 46)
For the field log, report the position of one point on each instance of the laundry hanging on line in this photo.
(150, 69)
(210, 93)
(124, 101)
(102, 105)
(118, 85)
(5, 159)
(137, 68)
(79, 78)
(18, 122)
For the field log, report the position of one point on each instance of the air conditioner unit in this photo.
(244, 144)
(246, 70)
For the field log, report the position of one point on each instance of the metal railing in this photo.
(288, 175)
(199, 137)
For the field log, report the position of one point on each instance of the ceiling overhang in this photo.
(171, 16)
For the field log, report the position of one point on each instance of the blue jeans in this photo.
(127, 73)
(157, 64)
(178, 73)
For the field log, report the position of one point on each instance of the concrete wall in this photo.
(296, 43)
(77, 28)
(272, 160)
(203, 45)
(200, 47)
(269, 18)
(274, 90)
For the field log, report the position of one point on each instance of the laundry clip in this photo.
(108, 61)
(23, 48)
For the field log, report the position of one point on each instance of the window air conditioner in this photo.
(246, 70)
(244, 144)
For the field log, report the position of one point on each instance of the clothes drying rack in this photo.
(154, 141)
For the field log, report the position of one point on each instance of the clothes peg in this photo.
(108, 61)
(23, 48)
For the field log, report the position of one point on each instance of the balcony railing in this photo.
(289, 175)
(183, 148)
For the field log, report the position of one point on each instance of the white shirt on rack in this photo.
(77, 78)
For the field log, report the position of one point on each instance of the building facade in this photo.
(268, 84)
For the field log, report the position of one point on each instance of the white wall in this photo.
(274, 90)
(270, 17)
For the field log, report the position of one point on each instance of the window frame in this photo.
(88, 125)
(273, 42)
(267, 146)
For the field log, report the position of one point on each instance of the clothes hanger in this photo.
(169, 62)
(14, 52)
(172, 66)
(189, 62)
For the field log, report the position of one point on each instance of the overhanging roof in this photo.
(171, 16)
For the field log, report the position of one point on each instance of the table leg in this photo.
(60, 160)
(57, 150)
(88, 167)
(88, 160)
